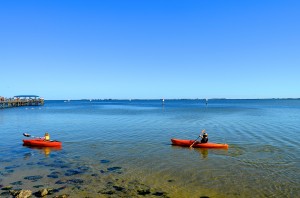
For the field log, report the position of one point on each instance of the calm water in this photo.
(129, 141)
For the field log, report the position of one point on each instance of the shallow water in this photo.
(127, 144)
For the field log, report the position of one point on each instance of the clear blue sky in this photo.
(150, 48)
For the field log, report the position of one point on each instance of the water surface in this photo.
(128, 142)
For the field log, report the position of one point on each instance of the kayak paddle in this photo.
(28, 135)
(197, 138)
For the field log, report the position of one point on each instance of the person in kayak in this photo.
(204, 138)
(47, 137)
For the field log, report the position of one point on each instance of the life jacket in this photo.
(47, 137)
(204, 140)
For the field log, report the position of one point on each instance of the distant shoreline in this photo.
(178, 99)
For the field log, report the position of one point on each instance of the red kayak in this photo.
(188, 143)
(42, 143)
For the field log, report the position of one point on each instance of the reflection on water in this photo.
(204, 153)
(45, 150)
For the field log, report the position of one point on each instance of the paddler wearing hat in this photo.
(204, 138)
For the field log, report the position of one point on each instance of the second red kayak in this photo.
(188, 143)
(42, 143)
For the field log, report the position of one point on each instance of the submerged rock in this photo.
(54, 175)
(17, 183)
(5, 193)
(42, 163)
(59, 165)
(122, 188)
(64, 166)
(6, 173)
(119, 188)
(33, 178)
(84, 168)
(104, 161)
(144, 192)
(7, 188)
(57, 190)
(71, 172)
(11, 167)
(38, 186)
(10, 171)
(30, 163)
(62, 196)
(61, 181)
(115, 169)
(106, 192)
(160, 194)
(54, 190)
(75, 181)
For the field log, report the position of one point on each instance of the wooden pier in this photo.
(21, 100)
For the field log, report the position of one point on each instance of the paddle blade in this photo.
(26, 134)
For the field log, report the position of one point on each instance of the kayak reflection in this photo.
(204, 153)
(45, 150)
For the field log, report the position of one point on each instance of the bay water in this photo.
(112, 148)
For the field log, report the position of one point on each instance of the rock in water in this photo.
(43, 192)
(24, 194)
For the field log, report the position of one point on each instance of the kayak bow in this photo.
(188, 143)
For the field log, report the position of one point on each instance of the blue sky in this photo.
(150, 49)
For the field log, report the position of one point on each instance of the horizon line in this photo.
(98, 99)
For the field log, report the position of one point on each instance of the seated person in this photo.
(204, 138)
(47, 137)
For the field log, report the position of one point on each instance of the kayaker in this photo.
(47, 136)
(204, 138)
